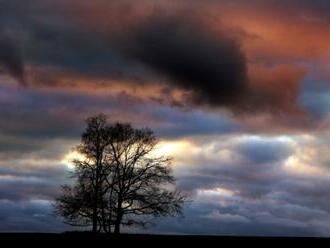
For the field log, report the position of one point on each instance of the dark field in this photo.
(88, 239)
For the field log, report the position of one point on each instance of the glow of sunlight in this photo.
(170, 148)
(70, 157)
(217, 192)
(295, 165)
(290, 140)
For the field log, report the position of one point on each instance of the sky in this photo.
(237, 91)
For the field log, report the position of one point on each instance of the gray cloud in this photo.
(209, 66)
(262, 198)
(29, 216)
(261, 151)
(242, 218)
(20, 180)
(10, 58)
(212, 68)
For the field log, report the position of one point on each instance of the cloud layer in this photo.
(173, 48)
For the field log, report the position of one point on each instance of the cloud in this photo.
(260, 151)
(212, 68)
(239, 217)
(172, 48)
(10, 58)
(32, 177)
(249, 193)
(29, 216)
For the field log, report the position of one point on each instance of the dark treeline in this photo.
(119, 180)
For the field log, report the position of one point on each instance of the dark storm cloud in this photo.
(10, 58)
(209, 66)
(213, 68)
(47, 33)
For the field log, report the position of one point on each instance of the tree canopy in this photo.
(119, 180)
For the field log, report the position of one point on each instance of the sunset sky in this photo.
(237, 91)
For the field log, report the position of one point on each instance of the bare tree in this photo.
(80, 204)
(120, 179)
(138, 179)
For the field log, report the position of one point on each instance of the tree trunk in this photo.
(96, 194)
(117, 225)
(95, 210)
(119, 216)
(94, 220)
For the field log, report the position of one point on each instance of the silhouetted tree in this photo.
(137, 179)
(120, 179)
(80, 204)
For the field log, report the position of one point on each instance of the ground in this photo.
(88, 239)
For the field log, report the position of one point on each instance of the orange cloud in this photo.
(280, 86)
(276, 33)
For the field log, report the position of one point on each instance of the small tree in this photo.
(120, 179)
